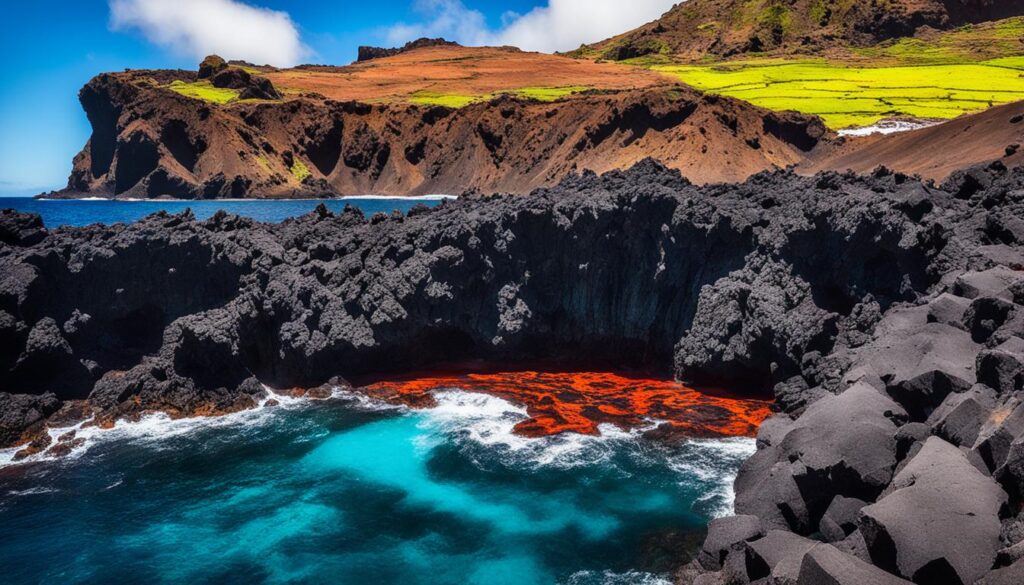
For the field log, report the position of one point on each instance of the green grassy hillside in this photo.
(933, 75)
(859, 96)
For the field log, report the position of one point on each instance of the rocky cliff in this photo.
(885, 315)
(148, 141)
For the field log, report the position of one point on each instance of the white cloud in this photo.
(560, 25)
(197, 28)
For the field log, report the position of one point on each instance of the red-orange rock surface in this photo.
(560, 402)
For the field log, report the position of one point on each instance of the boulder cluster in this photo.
(885, 315)
(222, 74)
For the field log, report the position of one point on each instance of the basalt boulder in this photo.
(726, 535)
(939, 523)
(827, 565)
(842, 445)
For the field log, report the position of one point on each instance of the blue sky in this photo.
(52, 48)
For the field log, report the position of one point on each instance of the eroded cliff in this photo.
(148, 141)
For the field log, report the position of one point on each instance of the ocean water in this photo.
(354, 491)
(80, 212)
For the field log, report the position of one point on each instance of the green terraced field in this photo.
(845, 95)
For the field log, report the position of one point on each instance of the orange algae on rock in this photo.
(578, 402)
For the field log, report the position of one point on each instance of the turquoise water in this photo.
(346, 491)
(84, 212)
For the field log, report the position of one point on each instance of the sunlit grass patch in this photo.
(300, 171)
(426, 98)
(847, 96)
(543, 94)
(203, 90)
(264, 163)
(548, 94)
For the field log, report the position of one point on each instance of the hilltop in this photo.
(437, 117)
(852, 63)
(452, 75)
(716, 29)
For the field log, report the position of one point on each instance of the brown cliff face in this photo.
(934, 152)
(151, 142)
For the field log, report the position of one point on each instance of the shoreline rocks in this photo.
(884, 313)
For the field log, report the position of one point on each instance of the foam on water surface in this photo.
(355, 489)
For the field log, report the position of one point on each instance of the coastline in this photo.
(882, 313)
(254, 199)
(527, 387)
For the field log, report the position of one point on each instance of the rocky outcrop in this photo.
(149, 141)
(914, 462)
(370, 53)
(883, 313)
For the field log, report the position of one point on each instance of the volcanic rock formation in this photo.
(885, 315)
(370, 53)
(148, 141)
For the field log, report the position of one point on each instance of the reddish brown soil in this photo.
(149, 141)
(934, 152)
(577, 402)
(454, 70)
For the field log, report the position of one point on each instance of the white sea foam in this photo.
(713, 462)
(611, 578)
(488, 421)
(483, 425)
(888, 127)
(32, 491)
(157, 428)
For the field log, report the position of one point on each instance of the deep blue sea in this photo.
(79, 212)
(349, 491)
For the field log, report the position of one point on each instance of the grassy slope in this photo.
(543, 94)
(941, 75)
(203, 90)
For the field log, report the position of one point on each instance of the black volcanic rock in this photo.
(212, 65)
(961, 416)
(250, 86)
(22, 412)
(725, 535)
(369, 53)
(823, 289)
(19, 229)
(940, 523)
(842, 445)
(827, 565)
(840, 519)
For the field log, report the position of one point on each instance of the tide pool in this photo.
(349, 491)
